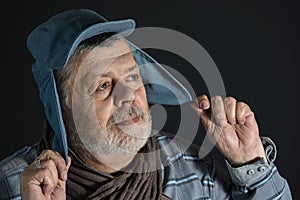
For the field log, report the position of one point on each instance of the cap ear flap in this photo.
(161, 86)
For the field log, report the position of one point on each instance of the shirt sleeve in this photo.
(259, 180)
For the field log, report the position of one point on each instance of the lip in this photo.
(132, 120)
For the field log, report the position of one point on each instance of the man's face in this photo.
(109, 104)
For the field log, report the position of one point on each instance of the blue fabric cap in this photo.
(53, 42)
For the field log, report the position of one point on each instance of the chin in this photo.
(125, 143)
(130, 139)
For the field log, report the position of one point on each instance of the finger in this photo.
(45, 178)
(58, 161)
(250, 121)
(50, 165)
(218, 111)
(69, 162)
(242, 112)
(68, 167)
(230, 109)
(60, 189)
(203, 102)
(201, 106)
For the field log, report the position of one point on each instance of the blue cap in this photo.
(52, 44)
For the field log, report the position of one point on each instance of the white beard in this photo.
(112, 139)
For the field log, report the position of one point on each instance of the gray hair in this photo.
(65, 78)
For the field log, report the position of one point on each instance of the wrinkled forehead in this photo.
(114, 51)
(112, 47)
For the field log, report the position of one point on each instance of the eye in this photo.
(103, 86)
(134, 77)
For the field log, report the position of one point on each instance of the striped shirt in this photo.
(185, 175)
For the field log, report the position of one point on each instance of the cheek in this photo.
(103, 111)
(141, 98)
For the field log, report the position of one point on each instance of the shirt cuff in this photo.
(258, 171)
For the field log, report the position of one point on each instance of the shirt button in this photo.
(261, 169)
(250, 172)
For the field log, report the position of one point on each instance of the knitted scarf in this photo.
(87, 183)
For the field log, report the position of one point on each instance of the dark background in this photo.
(253, 43)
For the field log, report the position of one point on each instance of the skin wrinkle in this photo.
(66, 78)
(96, 137)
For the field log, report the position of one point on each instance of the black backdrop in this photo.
(253, 43)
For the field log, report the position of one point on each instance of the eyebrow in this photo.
(109, 74)
(130, 69)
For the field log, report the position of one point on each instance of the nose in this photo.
(123, 93)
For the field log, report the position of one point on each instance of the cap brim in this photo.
(122, 27)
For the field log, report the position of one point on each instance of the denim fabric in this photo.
(10, 169)
(53, 42)
(185, 175)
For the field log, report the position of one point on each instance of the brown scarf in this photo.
(87, 183)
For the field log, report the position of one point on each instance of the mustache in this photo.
(126, 112)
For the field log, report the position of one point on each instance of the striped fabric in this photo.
(185, 175)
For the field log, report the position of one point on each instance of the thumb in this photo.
(64, 174)
(59, 192)
(205, 115)
(69, 162)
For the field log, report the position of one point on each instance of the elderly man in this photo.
(98, 141)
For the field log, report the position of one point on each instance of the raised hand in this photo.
(231, 125)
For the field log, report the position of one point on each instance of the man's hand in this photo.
(231, 125)
(47, 180)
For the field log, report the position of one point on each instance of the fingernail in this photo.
(204, 104)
